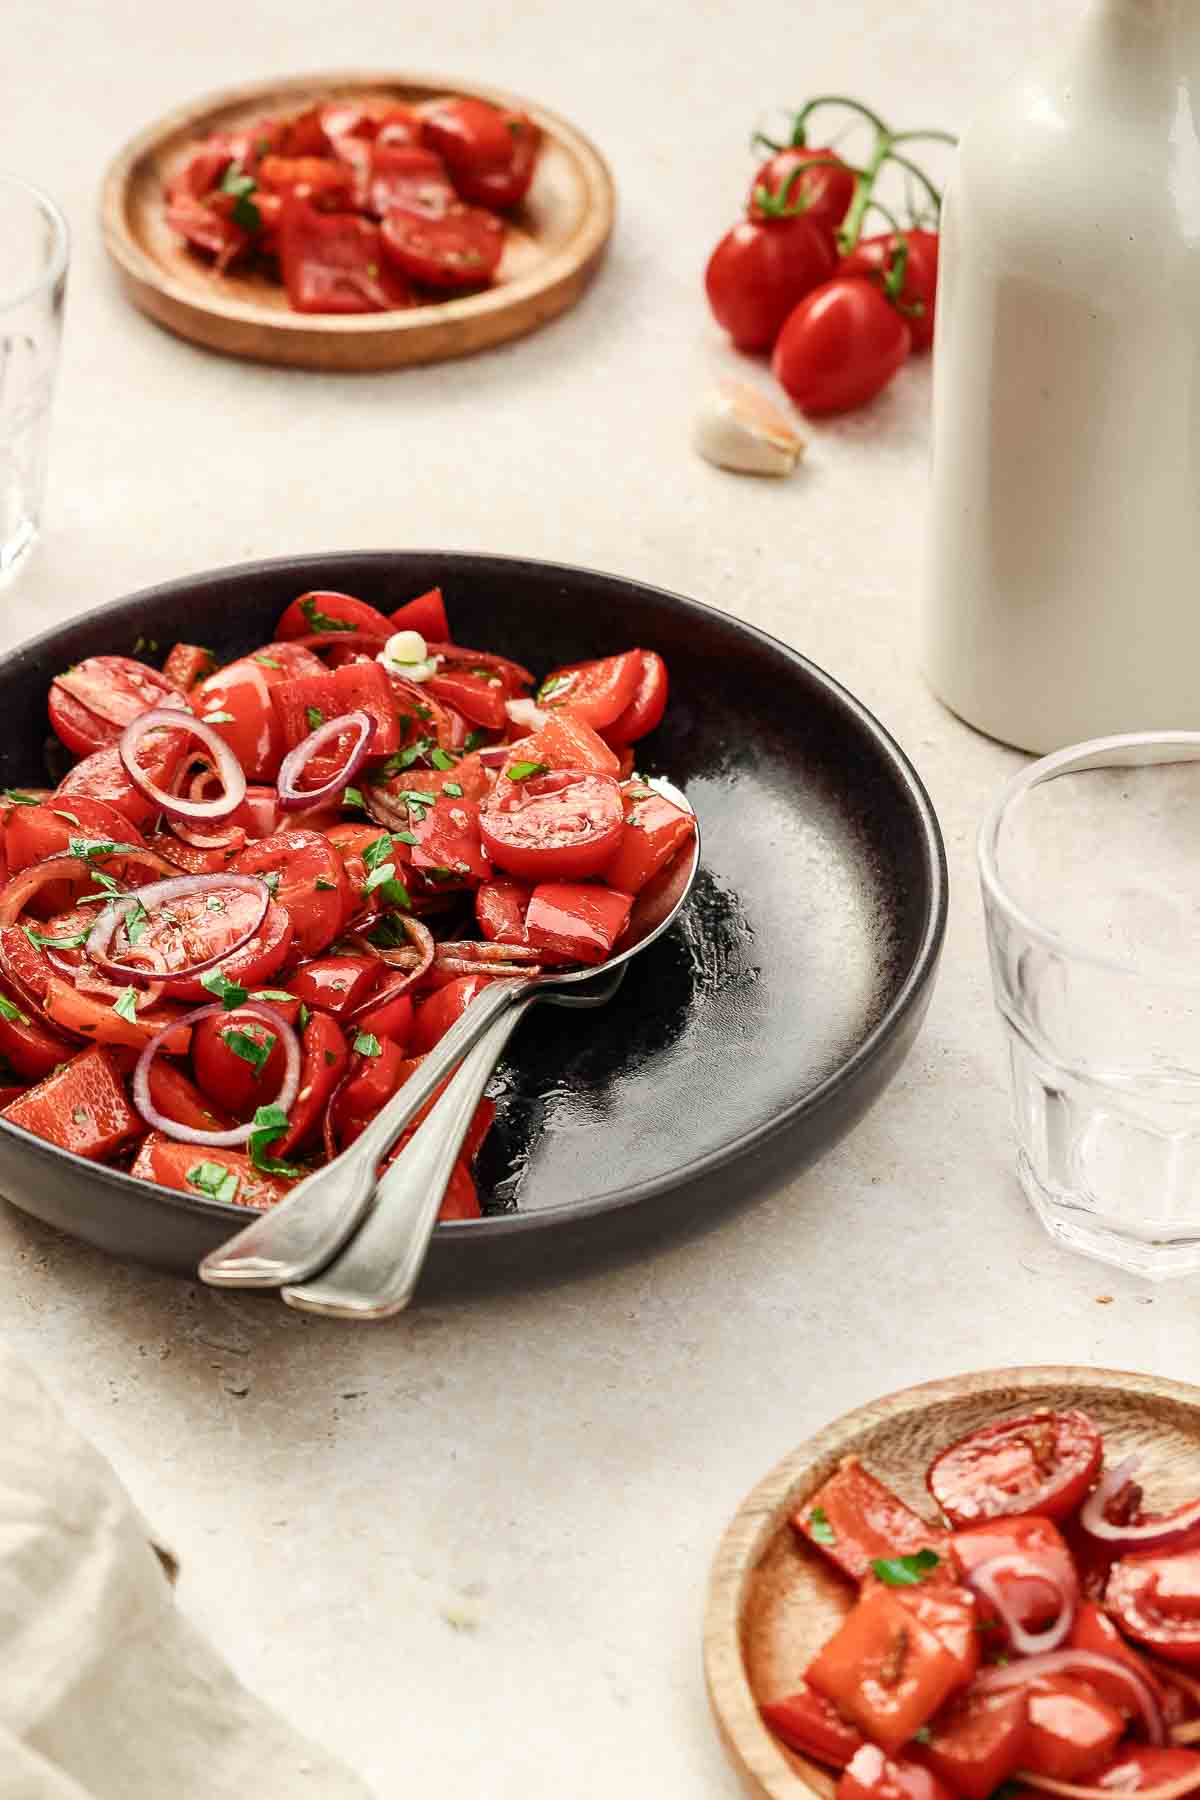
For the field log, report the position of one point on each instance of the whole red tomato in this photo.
(822, 194)
(875, 258)
(840, 346)
(759, 271)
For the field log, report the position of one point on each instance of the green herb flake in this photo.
(145, 643)
(922, 1735)
(246, 214)
(215, 1180)
(319, 621)
(214, 903)
(279, 994)
(404, 759)
(325, 887)
(404, 837)
(441, 759)
(271, 880)
(314, 717)
(377, 851)
(90, 848)
(268, 662)
(556, 684)
(454, 789)
(12, 1013)
(330, 1059)
(15, 797)
(352, 797)
(126, 1004)
(249, 1048)
(905, 1571)
(304, 1015)
(819, 1528)
(226, 991)
(217, 718)
(475, 741)
(367, 1044)
(137, 923)
(521, 771)
(39, 940)
(384, 872)
(270, 1122)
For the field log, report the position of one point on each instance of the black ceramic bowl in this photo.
(743, 1044)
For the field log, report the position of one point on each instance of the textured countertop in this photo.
(468, 1549)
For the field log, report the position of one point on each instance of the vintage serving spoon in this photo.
(283, 1247)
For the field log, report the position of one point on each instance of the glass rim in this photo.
(1076, 757)
(57, 263)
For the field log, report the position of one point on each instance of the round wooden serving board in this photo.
(773, 1601)
(555, 241)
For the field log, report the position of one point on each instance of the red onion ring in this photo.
(160, 893)
(984, 1578)
(205, 840)
(21, 887)
(423, 939)
(1152, 1534)
(225, 762)
(494, 756)
(291, 796)
(1073, 1790)
(1066, 1662)
(458, 655)
(289, 1087)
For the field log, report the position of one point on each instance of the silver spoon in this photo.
(283, 1247)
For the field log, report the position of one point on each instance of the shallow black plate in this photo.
(754, 1034)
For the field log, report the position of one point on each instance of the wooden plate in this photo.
(773, 1601)
(555, 241)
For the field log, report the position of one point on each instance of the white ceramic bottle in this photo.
(1063, 589)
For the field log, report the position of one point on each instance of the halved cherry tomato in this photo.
(199, 933)
(461, 248)
(873, 1776)
(565, 742)
(188, 1168)
(36, 832)
(852, 1518)
(324, 610)
(509, 185)
(1072, 1731)
(237, 1060)
(655, 832)
(26, 1041)
(334, 262)
(187, 664)
(875, 259)
(426, 614)
(1156, 1599)
(581, 923)
(1143, 1766)
(317, 178)
(1035, 1602)
(761, 270)
(102, 776)
(840, 346)
(596, 692)
(324, 1056)
(647, 707)
(470, 134)
(412, 178)
(978, 1741)
(808, 1723)
(441, 1010)
(823, 193)
(500, 909)
(335, 984)
(478, 697)
(177, 1098)
(449, 844)
(884, 1669)
(1042, 1463)
(91, 704)
(312, 887)
(236, 702)
(562, 825)
(82, 1107)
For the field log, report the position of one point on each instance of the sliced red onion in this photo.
(985, 1579)
(64, 867)
(1151, 1534)
(232, 835)
(291, 796)
(289, 1087)
(225, 763)
(1078, 1662)
(494, 756)
(1074, 1790)
(527, 713)
(423, 940)
(161, 893)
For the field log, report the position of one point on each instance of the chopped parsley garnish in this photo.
(126, 1004)
(352, 797)
(404, 837)
(383, 881)
(557, 684)
(272, 994)
(819, 1528)
(389, 934)
(16, 798)
(404, 759)
(12, 1013)
(270, 1122)
(319, 621)
(90, 848)
(272, 881)
(235, 181)
(330, 1059)
(249, 1048)
(922, 1735)
(304, 1015)
(378, 851)
(268, 662)
(475, 741)
(454, 789)
(367, 1044)
(137, 923)
(417, 795)
(38, 938)
(440, 759)
(226, 991)
(215, 1180)
(214, 903)
(325, 887)
(905, 1571)
(145, 643)
(521, 771)
(217, 718)
(314, 717)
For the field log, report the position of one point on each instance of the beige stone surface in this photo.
(468, 1550)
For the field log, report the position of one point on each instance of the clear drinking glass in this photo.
(33, 273)
(1090, 866)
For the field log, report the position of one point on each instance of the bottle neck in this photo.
(1142, 57)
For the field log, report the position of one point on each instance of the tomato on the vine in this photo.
(875, 259)
(760, 270)
(840, 347)
(822, 193)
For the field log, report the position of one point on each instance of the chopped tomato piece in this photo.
(1092, 1629)
(36, 832)
(478, 697)
(647, 707)
(808, 1724)
(477, 1130)
(1072, 1731)
(379, 1072)
(1156, 1599)
(311, 887)
(412, 178)
(978, 1741)
(1043, 1463)
(83, 1108)
(324, 1056)
(203, 227)
(88, 1015)
(91, 704)
(207, 1173)
(238, 1060)
(566, 743)
(885, 1669)
(874, 1776)
(449, 846)
(187, 664)
(458, 248)
(581, 922)
(251, 966)
(317, 178)
(31, 1048)
(951, 1613)
(102, 776)
(426, 614)
(655, 832)
(391, 1016)
(177, 1098)
(442, 1009)
(324, 610)
(334, 262)
(597, 692)
(306, 705)
(565, 824)
(853, 1518)
(1035, 1601)
(336, 984)
(236, 702)
(468, 133)
(509, 185)
(194, 860)
(500, 906)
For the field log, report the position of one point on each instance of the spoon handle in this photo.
(298, 1237)
(377, 1273)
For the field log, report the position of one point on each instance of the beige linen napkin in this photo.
(106, 1691)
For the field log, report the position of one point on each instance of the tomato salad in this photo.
(1042, 1633)
(267, 889)
(360, 208)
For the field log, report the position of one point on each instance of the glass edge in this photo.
(56, 268)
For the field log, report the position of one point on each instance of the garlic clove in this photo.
(405, 653)
(738, 428)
